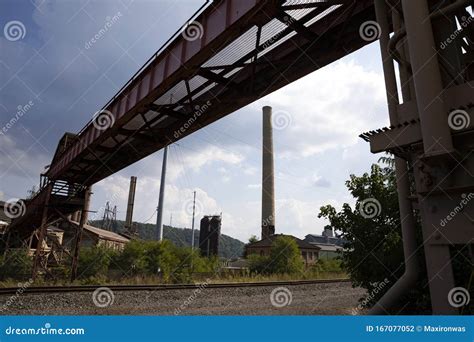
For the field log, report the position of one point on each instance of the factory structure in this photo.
(330, 246)
(313, 247)
(209, 234)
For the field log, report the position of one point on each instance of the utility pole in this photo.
(159, 215)
(192, 226)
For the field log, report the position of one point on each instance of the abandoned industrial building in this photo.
(330, 246)
(309, 252)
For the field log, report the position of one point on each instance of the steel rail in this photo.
(161, 287)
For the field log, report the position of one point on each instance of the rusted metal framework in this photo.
(233, 52)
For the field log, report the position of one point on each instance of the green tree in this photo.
(374, 253)
(253, 239)
(132, 260)
(285, 256)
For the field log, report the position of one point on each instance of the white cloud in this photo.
(321, 182)
(206, 155)
(254, 186)
(16, 162)
(328, 109)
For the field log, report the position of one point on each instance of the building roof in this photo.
(268, 242)
(328, 248)
(325, 240)
(102, 233)
(3, 216)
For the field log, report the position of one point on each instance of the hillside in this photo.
(228, 246)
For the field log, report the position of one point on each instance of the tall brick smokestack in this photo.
(268, 176)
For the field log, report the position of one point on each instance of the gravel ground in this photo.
(315, 299)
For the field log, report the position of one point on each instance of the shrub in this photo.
(16, 264)
(173, 264)
(94, 261)
(258, 264)
(331, 265)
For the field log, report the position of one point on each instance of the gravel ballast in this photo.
(314, 299)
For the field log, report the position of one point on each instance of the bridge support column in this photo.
(437, 145)
(42, 233)
(78, 238)
(427, 78)
(407, 219)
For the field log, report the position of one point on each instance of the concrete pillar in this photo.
(268, 176)
(159, 214)
(130, 204)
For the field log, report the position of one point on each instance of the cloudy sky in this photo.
(56, 79)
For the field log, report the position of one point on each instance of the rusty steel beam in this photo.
(222, 23)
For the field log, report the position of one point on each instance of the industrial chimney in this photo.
(268, 182)
(130, 204)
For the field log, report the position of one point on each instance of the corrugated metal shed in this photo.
(103, 234)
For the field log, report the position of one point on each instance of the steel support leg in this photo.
(427, 78)
(77, 242)
(42, 234)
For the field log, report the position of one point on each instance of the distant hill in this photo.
(181, 237)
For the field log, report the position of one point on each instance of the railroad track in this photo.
(89, 288)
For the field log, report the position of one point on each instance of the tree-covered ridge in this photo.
(181, 237)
